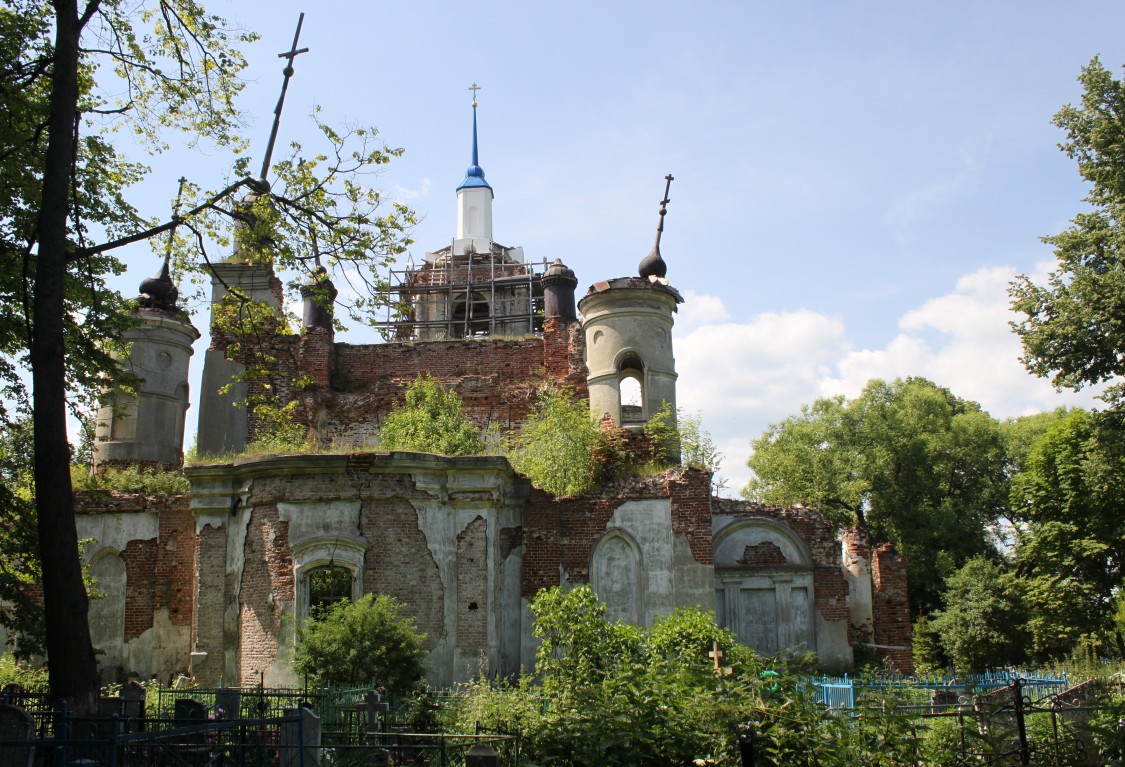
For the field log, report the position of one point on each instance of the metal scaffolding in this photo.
(464, 295)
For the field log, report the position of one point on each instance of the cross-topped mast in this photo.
(289, 55)
(653, 264)
(474, 88)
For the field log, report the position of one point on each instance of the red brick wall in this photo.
(564, 354)
(140, 579)
(398, 561)
(562, 531)
(267, 580)
(472, 586)
(891, 608)
(690, 490)
(175, 560)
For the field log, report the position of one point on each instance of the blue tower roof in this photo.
(474, 176)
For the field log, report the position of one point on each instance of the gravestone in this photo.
(16, 725)
(228, 701)
(189, 711)
(133, 701)
(300, 738)
(374, 706)
(481, 755)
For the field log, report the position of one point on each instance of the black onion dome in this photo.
(159, 292)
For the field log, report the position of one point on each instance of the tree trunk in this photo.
(70, 653)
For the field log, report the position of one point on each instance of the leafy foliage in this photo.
(133, 479)
(984, 623)
(430, 421)
(1072, 328)
(20, 565)
(366, 642)
(680, 439)
(611, 694)
(1071, 545)
(560, 448)
(909, 461)
(169, 66)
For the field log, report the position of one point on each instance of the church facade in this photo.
(215, 584)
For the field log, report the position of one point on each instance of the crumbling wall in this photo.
(434, 532)
(664, 520)
(808, 556)
(891, 613)
(154, 540)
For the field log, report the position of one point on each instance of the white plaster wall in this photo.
(474, 213)
(107, 615)
(649, 523)
(114, 531)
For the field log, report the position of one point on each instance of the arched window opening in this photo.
(632, 388)
(472, 317)
(326, 586)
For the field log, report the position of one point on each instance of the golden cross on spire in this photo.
(474, 88)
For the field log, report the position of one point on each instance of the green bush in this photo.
(366, 642)
(15, 671)
(430, 421)
(615, 694)
(560, 448)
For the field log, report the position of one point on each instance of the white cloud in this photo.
(404, 194)
(764, 369)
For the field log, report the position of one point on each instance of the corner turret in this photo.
(143, 424)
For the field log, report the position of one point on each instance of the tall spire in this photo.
(474, 176)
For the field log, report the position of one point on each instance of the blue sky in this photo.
(856, 183)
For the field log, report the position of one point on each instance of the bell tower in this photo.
(628, 326)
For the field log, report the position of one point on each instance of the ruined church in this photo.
(216, 583)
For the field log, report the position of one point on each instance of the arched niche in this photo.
(615, 575)
(764, 586)
(107, 613)
(759, 542)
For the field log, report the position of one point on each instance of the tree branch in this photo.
(166, 226)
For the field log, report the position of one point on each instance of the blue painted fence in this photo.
(840, 692)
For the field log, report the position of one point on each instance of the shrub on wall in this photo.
(430, 421)
(560, 448)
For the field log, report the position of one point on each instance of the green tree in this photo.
(366, 642)
(20, 568)
(167, 65)
(984, 622)
(1073, 328)
(560, 445)
(63, 186)
(908, 461)
(1071, 537)
(430, 420)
